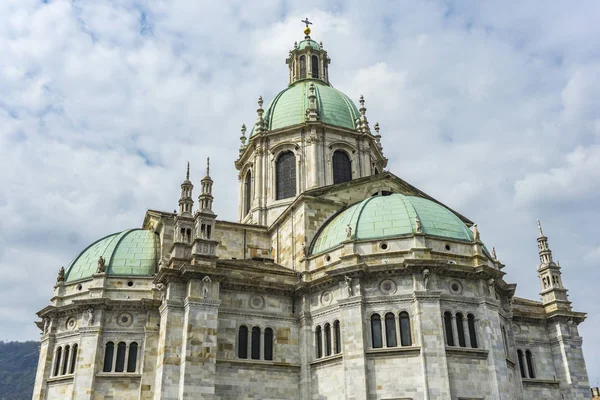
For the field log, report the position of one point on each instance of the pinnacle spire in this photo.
(207, 166)
(187, 172)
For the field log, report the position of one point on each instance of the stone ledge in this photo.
(258, 363)
(467, 352)
(539, 382)
(510, 363)
(60, 379)
(119, 375)
(327, 360)
(407, 351)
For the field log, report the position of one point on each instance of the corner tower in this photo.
(309, 135)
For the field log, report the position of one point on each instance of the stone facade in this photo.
(246, 310)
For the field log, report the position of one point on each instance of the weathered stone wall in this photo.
(395, 375)
(253, 380)
(327, 380)
(232, 238)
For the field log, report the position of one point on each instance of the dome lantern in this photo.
(308, 59)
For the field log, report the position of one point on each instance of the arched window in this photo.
(319, 342)
(255, 350)
(73, 359)
(342, 168)
(472, 331)
(302, 67)
(109, 353)
(405, 336)
(448, 328)
(376, 331)
(390, 330)
(314, 66)
(460, 329)
(132, 360)
(327, 331)
(243, 342)
(66, 360)
(57, 361)
(338, 337)
(521, 363)
(247, 193)
(120, 364)
(268, 344)
(286, 175)
(504, 341)
(529, 358)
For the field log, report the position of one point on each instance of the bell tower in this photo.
(554, 295)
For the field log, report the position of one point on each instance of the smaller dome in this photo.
(381, 217)
(308, 43)
(131, 252)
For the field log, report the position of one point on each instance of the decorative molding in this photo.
(467, 352)
(406, 351)
(259, 364)
(326, 361)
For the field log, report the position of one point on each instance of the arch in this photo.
(327, 332)
(472, 331)
(302, 67)
(448, 328)
(319, 341)
(530, 368)
(57, 359)
(390, 330)
(285, 175)
(243, 342)
(73, 359)
(338, 337)
(121, 350)
(268, 344)
(342, 167)
(132, 359)
(314, 66)
(65, 363)
(109, 352)
(247, 192)
(405, 335)
(521, 363)
(255, 348)
(460, 330)
(376, 331)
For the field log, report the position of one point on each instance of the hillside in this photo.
(18, 361)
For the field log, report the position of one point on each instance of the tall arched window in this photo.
(132, 360)
(521, 363)
(327, 331)
(314, 66)
(319, 341)
(255, 350)
(285, 172)
(120, 364)
(73, 359)
(66, 360)
(405, 336)
(529, 359)
(243, 342)
(376, 331)
(338, 337)
(247, 193)
(390, 330)
(268, 344)
(302, 67)
(448, 328)
(57, 361)
(109, 353)
(472, 331)
(460, 329)
(342, 168)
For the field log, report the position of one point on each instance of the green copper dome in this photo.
(288, 108)
(131, 252)
(308, 43)
(387, 216)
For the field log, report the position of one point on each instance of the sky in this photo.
(490, 107)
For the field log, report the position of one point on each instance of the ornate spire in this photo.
(208, 166)
(206, 198)
(540, 229)
(543, 247)
(243, 138)
(187, 173)
(311, 111)
(308, 59)
(362, 124)
(260, 122)
(554, 295)
(377, 135)
(307, 29)
(186, 203)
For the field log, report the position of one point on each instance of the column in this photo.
(455, 331)
(315, 160)
(306, 347)
(465, 323)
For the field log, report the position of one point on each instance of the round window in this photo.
(125, 319)
(387, 286)
(383, 246)
(455, 287)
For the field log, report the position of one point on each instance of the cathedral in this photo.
(339, 280)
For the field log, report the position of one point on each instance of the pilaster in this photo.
(87, 360)
(44, 368)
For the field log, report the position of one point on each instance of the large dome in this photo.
(288, 108)
(386, 216)
(131, 252)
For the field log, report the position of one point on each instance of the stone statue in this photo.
(90, 313)
(476, 236)
(418, 225)
(426, 278)
(348, 232)
(61, 275)
(46, 325)
(494, 253)
(206, 286)
(100, 269)
(491, 288)
(348, 281)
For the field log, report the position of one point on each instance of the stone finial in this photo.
(187, 172)
(295, 45)
(260, 102)
(376, 127)
(260, 122)
(540, 228)
(418, 225)
(207, 166)
(101, 265)
(61, 275)
(243, 137)
(321, 45)
(362, 104)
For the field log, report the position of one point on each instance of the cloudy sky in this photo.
(491, 107)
